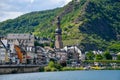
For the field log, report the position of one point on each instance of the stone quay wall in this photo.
(8, 69)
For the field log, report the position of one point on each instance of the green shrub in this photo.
(52, 66)
(53, 69)
(47, 69)
(71, 68)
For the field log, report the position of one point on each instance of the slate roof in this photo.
(19, 36)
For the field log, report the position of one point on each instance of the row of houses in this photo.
(34, 54)
(37, 54)
(24, 41)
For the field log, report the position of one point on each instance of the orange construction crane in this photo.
(20, 53)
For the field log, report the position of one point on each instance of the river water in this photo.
(67, 75)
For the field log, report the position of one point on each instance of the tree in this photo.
(58, 66)
(118, 57)
(52, 45)
(107, 55)
(98, 57)
(114, 47)
(51, 64)
(90, 55)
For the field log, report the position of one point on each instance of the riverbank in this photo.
(10, 69)
(6, 69)
(80, 68)
(53, 66)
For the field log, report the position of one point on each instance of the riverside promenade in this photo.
(8, 69)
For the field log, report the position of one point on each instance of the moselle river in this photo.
(66, 75)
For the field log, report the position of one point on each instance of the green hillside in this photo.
(91, 24)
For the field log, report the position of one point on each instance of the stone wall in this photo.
(18, 69)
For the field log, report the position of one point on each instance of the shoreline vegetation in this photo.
(103, 65)
(78, 69)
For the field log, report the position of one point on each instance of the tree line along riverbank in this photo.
(84, 65)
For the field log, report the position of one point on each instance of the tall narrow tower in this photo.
(58, 35)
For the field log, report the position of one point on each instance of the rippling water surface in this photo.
(67, 75)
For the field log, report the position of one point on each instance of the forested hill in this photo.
(92, 24)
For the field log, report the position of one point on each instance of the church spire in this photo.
(58, 30)
(58, 33)
(58, 22)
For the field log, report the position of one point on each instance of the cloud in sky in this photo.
(10, 9)
(9, 15)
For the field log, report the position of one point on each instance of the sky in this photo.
(10, 9)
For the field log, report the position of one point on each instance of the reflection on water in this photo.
(68, 75)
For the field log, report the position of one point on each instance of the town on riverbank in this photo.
(27, 49)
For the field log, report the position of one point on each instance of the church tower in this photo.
(58, 35)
